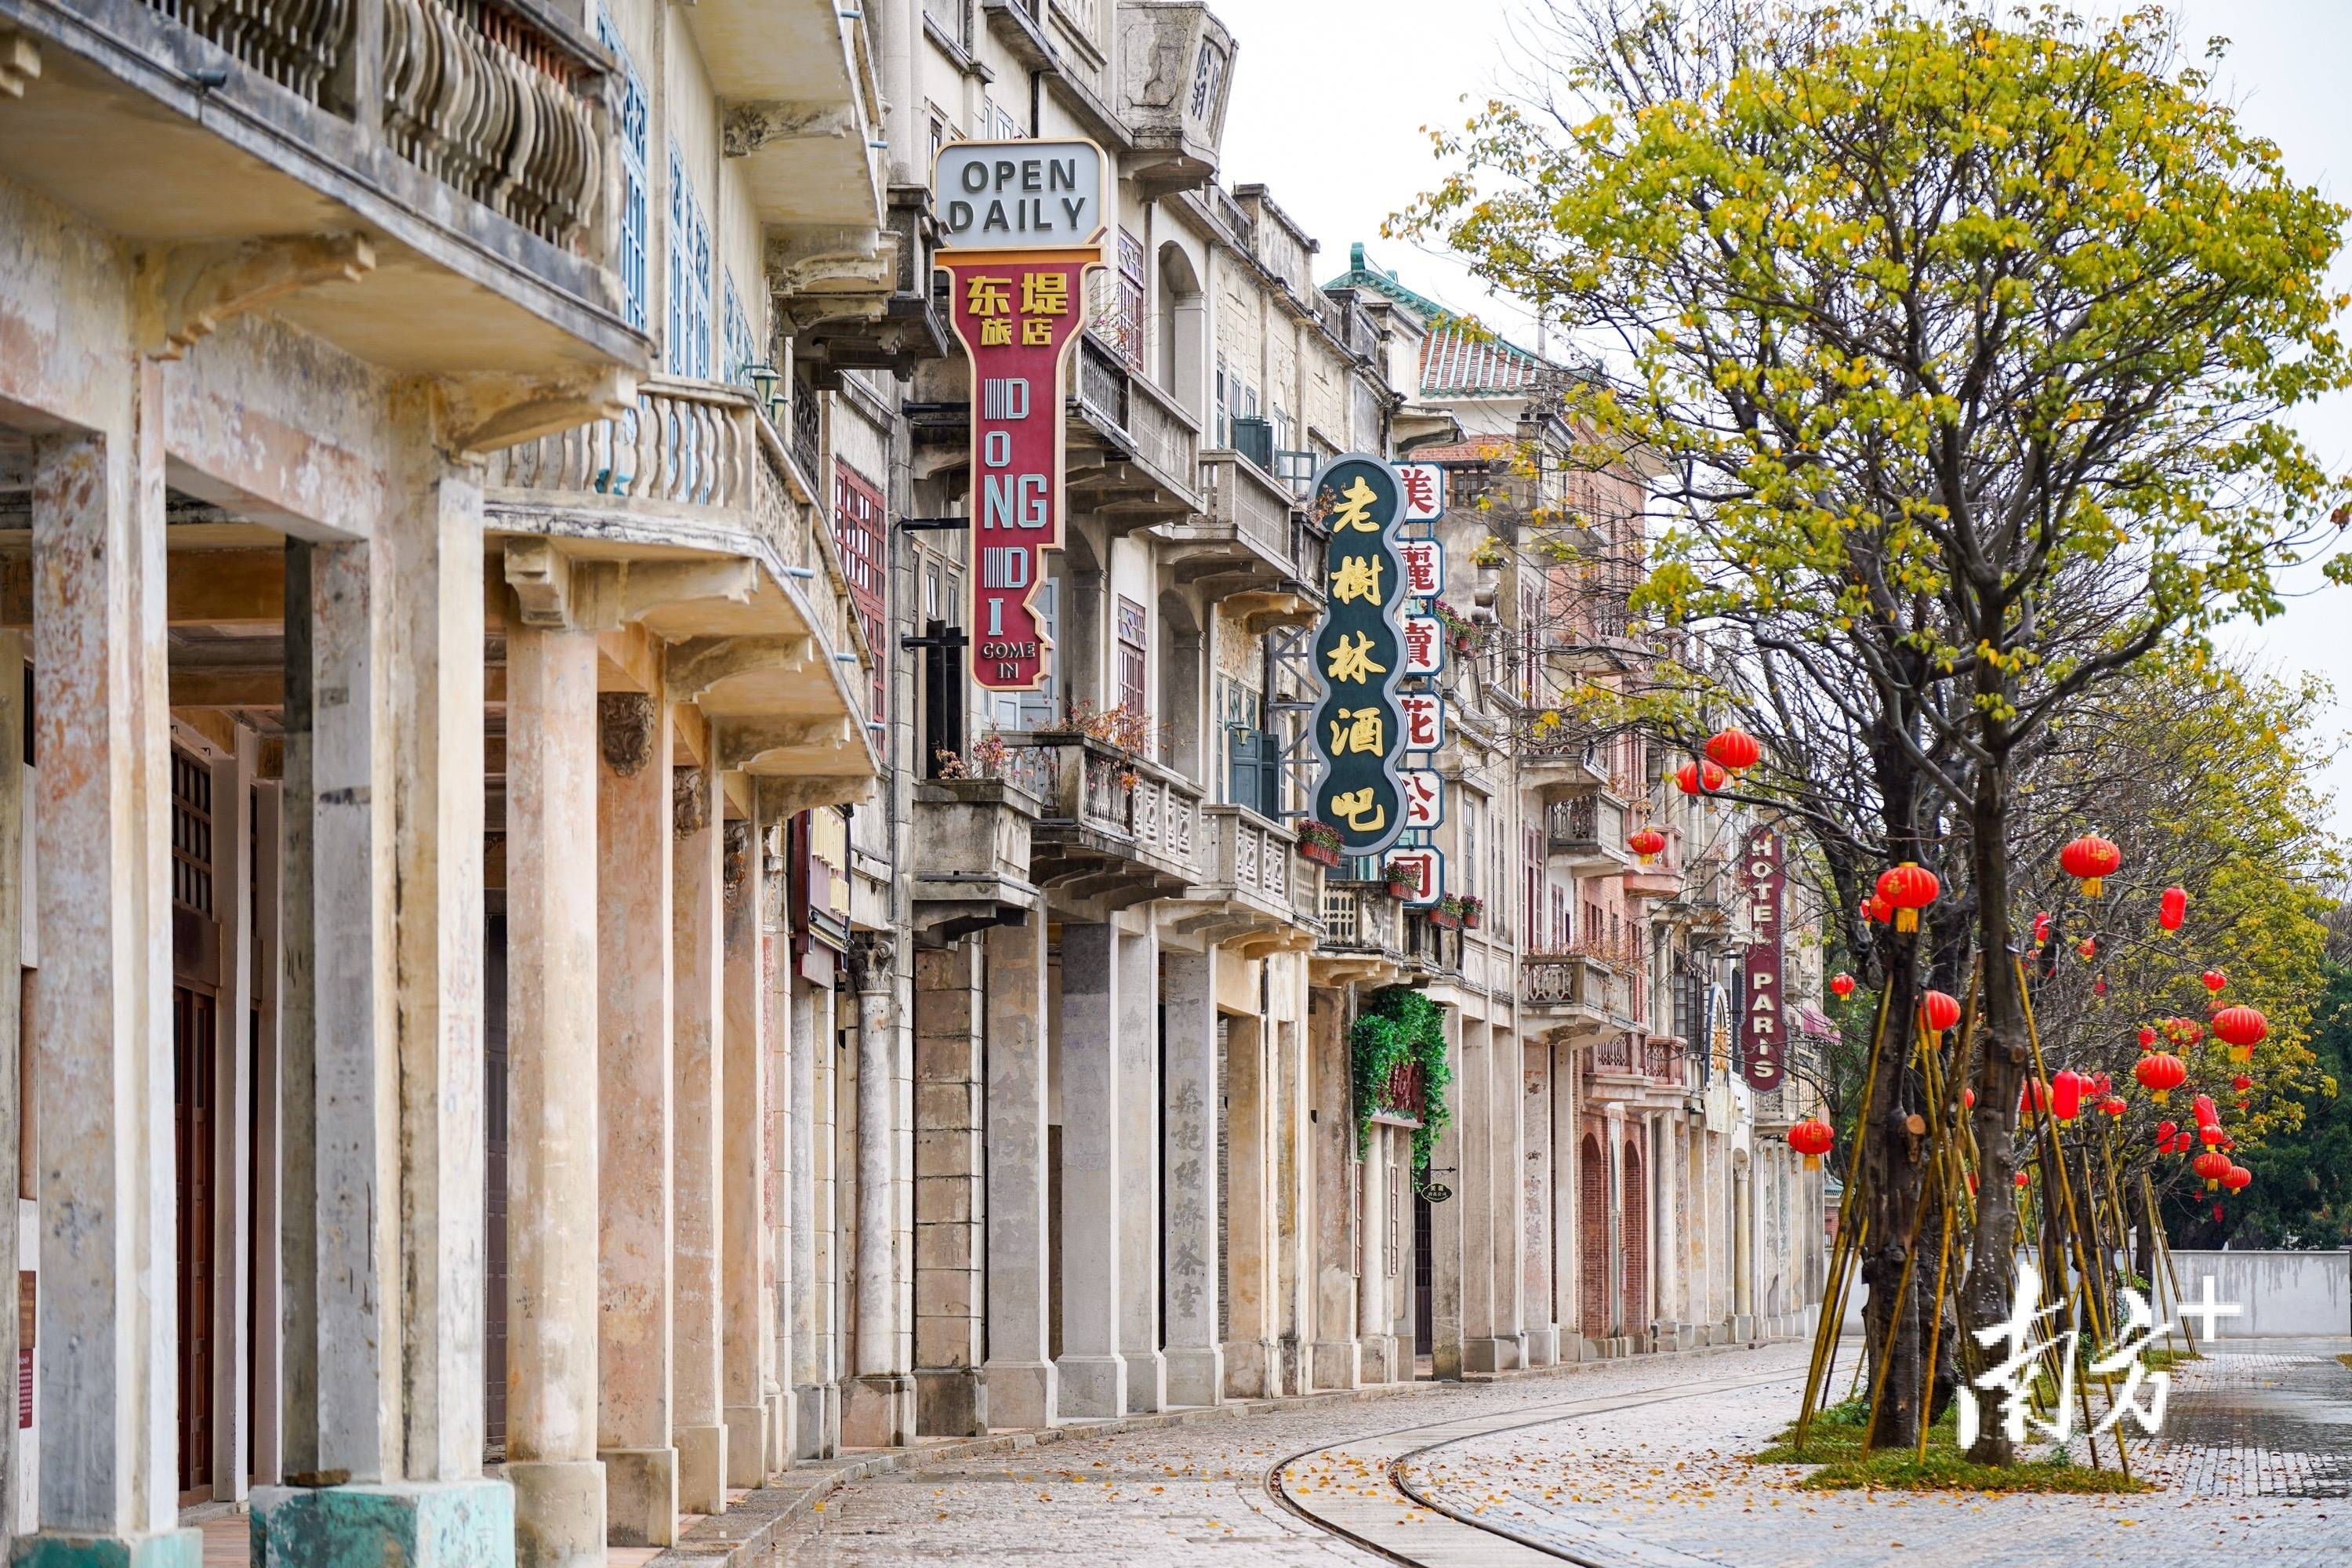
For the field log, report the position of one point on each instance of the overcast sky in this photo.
(1330, 96)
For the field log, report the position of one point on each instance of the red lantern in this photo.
(2042, 929)
(2088, 859)
(2112, 1105)
(2023, 1178)
(1698, 778)
(1938, 1012)
(1842, 983)
(1972, 1183)
(2099, 987)
(1734, 749)
(1649, 843)
(2032, 1096)
(2217, 1214)
(1878, 909)
(2241, 1083)
(2146, 1038)
(2159, 1073)
(2212, 1165)
(2172, 909)
(1908, 889)
(2067, 1096)
(2215, 980)
(2228, 1143)
(2237, 1178)
(1812, 1138)
(2243, 1028)
(2088, 948)
(2186, 1031)
(2165, 1130)
(1969, 1097)
(2202, 1108)
(2211, 1134)
(2101, 1084)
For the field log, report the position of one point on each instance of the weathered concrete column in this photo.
(1372, 1258)
(16, 912)
(812, 1429)
(1507, 1117)
(821, 1411)
(777, 1010)
(381, 1056)
(1666, 1163)
(1138, 1042)
(1023, 1389)
(1195, 1357)
(102, 1012)
(1337, 1181)
(233, 1227)
(747, 1347)
(1567, 1203)
(1448, 1220)
(1537, 1315)
(699, 1425)
(877, 1405)
(1253, 1351)
(634, 1073)
(950, 1193)
(1483, 1197)
(552, 1188)
(1296, 1207)
(1093, 1374)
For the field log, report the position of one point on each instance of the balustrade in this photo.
(1099, 788)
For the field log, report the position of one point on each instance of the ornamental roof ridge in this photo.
(1461, 356)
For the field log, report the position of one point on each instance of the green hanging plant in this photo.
(1401, 1027)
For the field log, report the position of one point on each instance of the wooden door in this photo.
(191, 1104)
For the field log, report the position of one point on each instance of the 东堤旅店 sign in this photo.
(1022, 223)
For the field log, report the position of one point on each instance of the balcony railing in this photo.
(1097, 788)
(696, 452)
(1255, 859)
(1660, 1061)
(1250, 502)
(1573, 979)
(1357, 917)
(480, 95)
(1592, 825)
(1165, 437)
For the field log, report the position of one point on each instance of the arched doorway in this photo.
(1633, 1308)
(1592, 1240)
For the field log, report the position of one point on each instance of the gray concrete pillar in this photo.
(1023, 1389)
(878, 1405)
(1372, 1311)
(1482, 1194)
(1539, 1319)
(820, 1414)
(102, 1010)
(1196, 1355)
(1253, 1351)
(1448, 1220)
(16, 914)
(635, 1070)
(552, 1188)
(698, 1426)
(1092, 1373)
(809, 1044)
(746, 1267)
(1294, 1207)
(232, 1151)
(779, 1011)
(950, 1193)
(1137, 1040)
(1337, 1183)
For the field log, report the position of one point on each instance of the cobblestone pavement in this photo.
(2256, 1462)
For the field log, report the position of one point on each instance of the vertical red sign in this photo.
(1764, 1034)
(1018, 315)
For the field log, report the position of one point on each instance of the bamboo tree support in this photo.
(2164, 1251)
(2073, 1228)
(1947, 1174)
(1825, 1333)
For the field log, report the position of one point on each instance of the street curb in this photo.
(755, 1520)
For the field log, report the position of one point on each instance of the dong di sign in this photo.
(1023, 226)
(1360, 729)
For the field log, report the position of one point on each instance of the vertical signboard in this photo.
(1763, 1028)
(1359, 654)
(1021, 225)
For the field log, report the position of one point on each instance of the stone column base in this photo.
(1489, 1354)
(780, 1427)
(1543, 1347)
(1337, 1364)
(746, 1445)
(640, 1497)
(1251, 1369)
(1196, 1375)
(396, 1524)
(164, 1549)
(1147, 1382)
(878, 1411)
(816, 1420)
(701, 1469)
(950, 1402)
(559, 1512)
(1021, 1394)
(1092, 1387)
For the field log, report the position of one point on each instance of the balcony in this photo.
(1574, 996)
(1587, 833)
(1432, 951)
(1363, 935)
(801, 106)
(1632, 1067)
(691, 516)
(1255, 896)
(1114, 829)
(1250, 549)
(862, 329)
(1134, 454)
(1708, 895)
(1176, 71)
(1565, 766)
(417, 182)
(969, 869)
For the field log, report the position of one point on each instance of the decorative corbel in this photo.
(734, 860)
(751, 126)
(20, 62)
(624, 730)
(478, 415)
(540, 572)
(689, 802)
(184, 292)
(700, 663)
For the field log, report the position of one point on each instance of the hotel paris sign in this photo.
(1021, 224)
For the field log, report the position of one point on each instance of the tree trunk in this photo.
(1893, 1172)
(2003, 1058)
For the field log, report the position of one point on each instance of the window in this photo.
(858, 522)
(1470, 866)
(689, 275)
(631, 132)
(192, 833)
(1130, 324)
(1023, 709)
(742, 348)
(1132, 655)
(1532, 908)
(1220, 429)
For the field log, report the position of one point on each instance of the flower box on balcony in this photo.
(1319, 842)
(1446, 915)
(1473, 913)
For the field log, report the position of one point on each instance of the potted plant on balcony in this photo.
(1465, 637)
(1403, 880)
(1473, 912)
(1447, 914)
(1318, 842)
